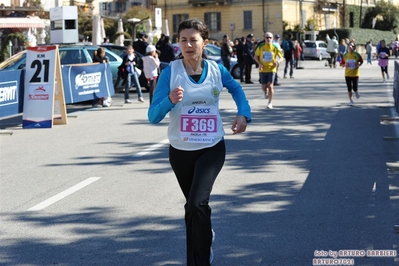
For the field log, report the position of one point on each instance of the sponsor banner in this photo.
(86, 82)
(39, 86)
(11, 92)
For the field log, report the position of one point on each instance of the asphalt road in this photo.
(307, 179)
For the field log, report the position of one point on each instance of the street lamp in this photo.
(134, 22)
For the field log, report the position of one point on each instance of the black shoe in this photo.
(249, 82)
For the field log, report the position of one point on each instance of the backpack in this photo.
(286, 46)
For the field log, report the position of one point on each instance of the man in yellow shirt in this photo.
(268, 56)
(352, 61)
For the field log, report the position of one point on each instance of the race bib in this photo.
(198, 124)
(351, 64)
(267, 57)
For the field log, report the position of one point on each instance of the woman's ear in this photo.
(206, 42)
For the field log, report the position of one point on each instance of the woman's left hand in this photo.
(239, 124)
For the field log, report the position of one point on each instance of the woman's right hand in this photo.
(176, 95)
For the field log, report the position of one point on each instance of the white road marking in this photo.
(63, 194)
(151, 148)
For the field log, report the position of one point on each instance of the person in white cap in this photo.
(150, 67)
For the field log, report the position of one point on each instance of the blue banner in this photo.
(86, 82)
(11, 92)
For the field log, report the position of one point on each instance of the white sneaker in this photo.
(213, 239)
(270, 105)
(107, 102)
(387, 76)
(351, 103)
(128, 101)
(141, 99)
(384, 80)
(357, 95)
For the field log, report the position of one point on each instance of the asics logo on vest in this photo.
(199, 110)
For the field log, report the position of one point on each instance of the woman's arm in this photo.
(161, 103)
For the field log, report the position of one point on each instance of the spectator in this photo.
(128, 66)
(160, 41)
(288, 48)
(342, 48)
(141, 44)
(297, 53)
(240, 57)
(106, 41)
(332, 49)
(99, 57)
(248, 58)
(369, 49)
(226, 52)
(150, 67)
(276, 42)
(166, 50)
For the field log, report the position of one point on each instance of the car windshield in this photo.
(212, 50)
(10, 62)
(310, 44)
(72, 56)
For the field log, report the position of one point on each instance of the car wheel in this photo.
(235, 72)
(320, 57)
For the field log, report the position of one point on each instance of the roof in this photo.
(18, 22)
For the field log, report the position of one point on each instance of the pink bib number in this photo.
(198, 124)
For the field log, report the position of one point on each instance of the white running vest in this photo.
(195, 122)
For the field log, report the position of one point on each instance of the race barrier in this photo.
(86, 82)
(11, 92)
(81, 83)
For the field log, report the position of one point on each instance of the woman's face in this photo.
(191, 44)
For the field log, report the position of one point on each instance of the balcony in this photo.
(208, 2)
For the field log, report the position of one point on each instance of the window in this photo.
(72, 57)
(213, 21)
(70, 24)
(177, 19)
(351, 20)
(132, 4)
(247, 20)
(105, 8)
(120, 7)
(56, 25)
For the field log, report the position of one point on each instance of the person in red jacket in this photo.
(297, 53)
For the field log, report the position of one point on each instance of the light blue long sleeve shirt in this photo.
(161, 103)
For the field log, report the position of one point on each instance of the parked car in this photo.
(315, 50)
(73, 54)
(213, 53)
(121, 51)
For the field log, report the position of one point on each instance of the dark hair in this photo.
(99, 51)
(196, 25)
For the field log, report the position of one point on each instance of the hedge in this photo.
(361, 36)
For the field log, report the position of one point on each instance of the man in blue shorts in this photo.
(268, 56)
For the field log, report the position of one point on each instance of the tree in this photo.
(386, 15)
(136, 12)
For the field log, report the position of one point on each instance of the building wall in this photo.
(230, 13)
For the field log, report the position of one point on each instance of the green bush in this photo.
(361, 36)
